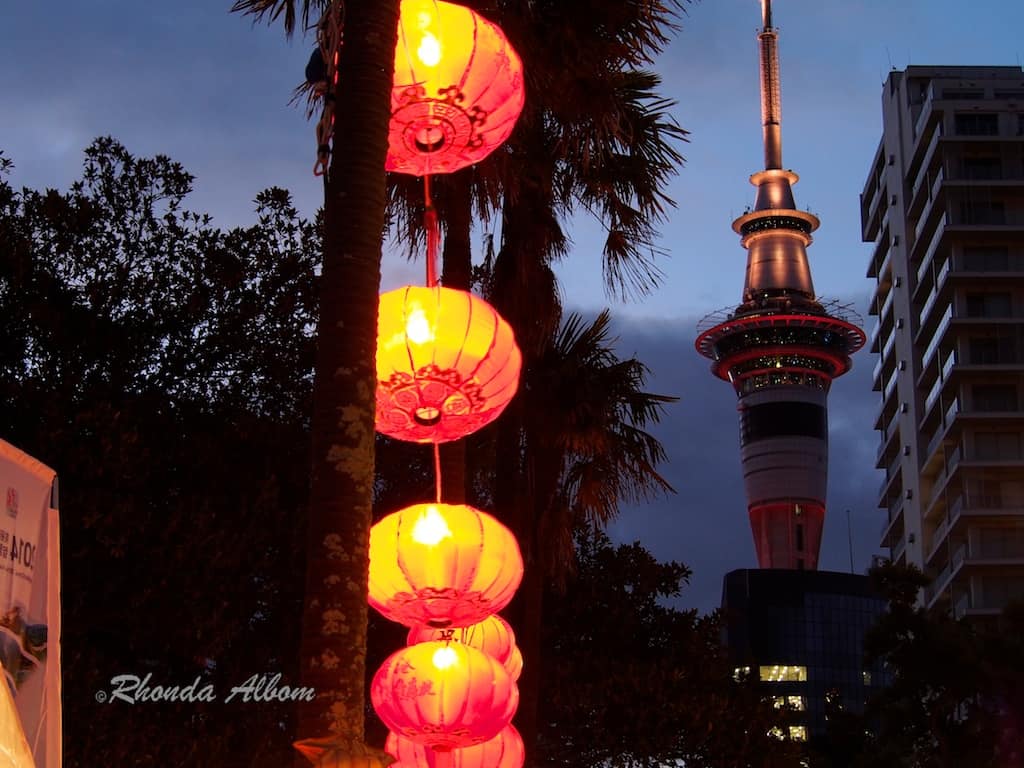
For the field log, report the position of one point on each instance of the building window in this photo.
(1002, 93)
(991, 350)
(781, 673)
(963, 93)
(994, 397)
(866, 677)
(977, 124)
(989, 305)
(984, 493)
(798, 732)
(795, 703)
(996, 446)
(985, 168)
(740, 673)
(986, 258)
(982, 212)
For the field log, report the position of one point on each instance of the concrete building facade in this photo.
(943, 205)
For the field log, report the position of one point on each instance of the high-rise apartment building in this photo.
(944, 206)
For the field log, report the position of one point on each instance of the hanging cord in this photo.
(329, 35)
(433, 230)
(437, 471)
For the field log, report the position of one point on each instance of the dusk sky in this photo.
(210, 90)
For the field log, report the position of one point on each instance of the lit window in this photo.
(867, 677)
(792, 702)
(798, 732)
(779, 673)
(740, 672)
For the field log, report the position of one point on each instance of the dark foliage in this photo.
(956, 696)
(162, 366)
(629, 681)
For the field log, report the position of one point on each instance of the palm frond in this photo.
(272, 10)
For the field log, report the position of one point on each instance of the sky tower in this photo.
(781, 349)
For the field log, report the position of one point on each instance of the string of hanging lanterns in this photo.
(447, 365)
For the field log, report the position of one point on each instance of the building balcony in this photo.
(892, 528)
(893, 480)
(886, 361)
(881, 257)
(957, 271)
(963, 607)
(938, 336)
(872, 195)
(922, 184)
(889, 435)
(958, 460)
(924, 251)
(933, 215)
(962, 513)
(883, 413)
(931, 115)
(898, 550)
(938, 586)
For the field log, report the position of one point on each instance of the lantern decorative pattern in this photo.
(447, 364)
(442, 565)
(503, 751)
(493, 636)
(458, 89)
(444, 695)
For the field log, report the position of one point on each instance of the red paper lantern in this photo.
(444, 695)
(514, 665)
(505, 750)
(443, 565)
(493, 636)
(447, 364)
(458, 89)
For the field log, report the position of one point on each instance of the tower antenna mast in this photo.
(771, 98)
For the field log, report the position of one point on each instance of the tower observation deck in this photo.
(780, 348)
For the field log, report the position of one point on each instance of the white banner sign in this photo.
(30, 601)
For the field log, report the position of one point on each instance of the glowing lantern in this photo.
(447, 364)
(483, 636)
(444, 695)
(503, 751)
(514, 665)
(442, 565)
(458, 89)
(493, 636)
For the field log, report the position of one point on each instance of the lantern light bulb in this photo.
(417, 327)
(429, 50)
(430, 528)
(445, 657)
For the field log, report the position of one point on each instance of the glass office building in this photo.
(801, 634)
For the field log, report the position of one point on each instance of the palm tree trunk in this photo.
(334, 617)
(457, 273)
